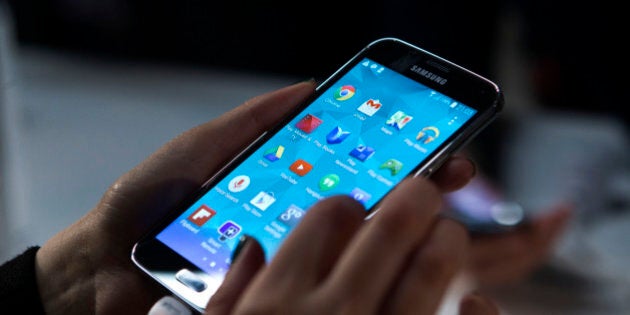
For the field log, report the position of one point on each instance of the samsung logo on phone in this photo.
(428, 74)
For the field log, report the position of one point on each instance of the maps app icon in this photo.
(399, 120)
(370, 107)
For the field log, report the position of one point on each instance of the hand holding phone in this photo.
(393, 111)
(335, 256)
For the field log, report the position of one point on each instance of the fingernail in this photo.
(242, 241)
(309, 80)
(169, 305)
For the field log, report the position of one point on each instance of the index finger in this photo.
(202, 150)
(183, 164)
(378, 252)
(455, 173)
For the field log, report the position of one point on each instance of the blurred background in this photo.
(88, 89)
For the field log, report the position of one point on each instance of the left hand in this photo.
(87, 269)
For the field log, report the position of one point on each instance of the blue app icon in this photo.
(360, 195)
(292, 216)
(337, 135)
(362, 152)
(228, 230)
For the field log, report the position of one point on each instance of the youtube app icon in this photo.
(301, 167)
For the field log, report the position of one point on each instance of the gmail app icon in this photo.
(370, 107)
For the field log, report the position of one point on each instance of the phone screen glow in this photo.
(360, 138)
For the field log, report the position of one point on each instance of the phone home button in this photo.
(191, 280)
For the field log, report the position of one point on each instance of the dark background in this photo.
(309, 39)
(572, 50)
(575, 48)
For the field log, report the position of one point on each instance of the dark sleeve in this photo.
(18, 284)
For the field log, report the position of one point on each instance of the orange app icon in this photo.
(301, 167)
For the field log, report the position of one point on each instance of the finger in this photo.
(505, 271)
(250, 260)
(499, 247)
(311, 250)
(550, 226)
(184, 163)
(536, 237)
(423, 283)
(502, 259)
(169, 305)
(200, 151)
(455, 173)
(509, 258)
(378, 252)
(475, 304)
(315, 245)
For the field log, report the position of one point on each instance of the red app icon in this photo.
(301, 167)
(201, 215)
(308, 123)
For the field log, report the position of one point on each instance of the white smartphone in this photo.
(393, 110)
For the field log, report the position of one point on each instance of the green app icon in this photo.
(328, 182)
(394, 166)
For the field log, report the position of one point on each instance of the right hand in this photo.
(401, 261)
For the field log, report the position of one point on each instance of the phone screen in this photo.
(369, 126)
(359, 138)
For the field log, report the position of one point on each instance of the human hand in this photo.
(86, 268)
(401, 261)
(511, 257)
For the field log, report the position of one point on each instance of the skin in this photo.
(510, 258)
(86, 268)
(399, 262)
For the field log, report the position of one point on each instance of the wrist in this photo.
(65, 275)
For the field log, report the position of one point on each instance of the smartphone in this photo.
(393, 110)
(484, 208)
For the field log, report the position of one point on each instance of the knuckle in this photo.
(411, 210)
